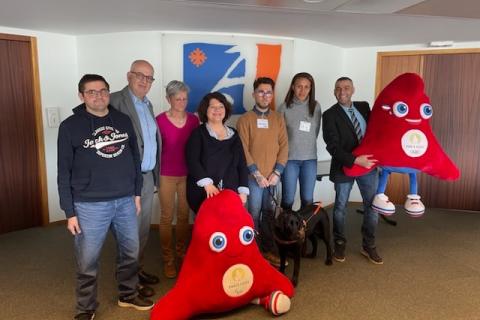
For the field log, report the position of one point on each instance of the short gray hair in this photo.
(175, 86)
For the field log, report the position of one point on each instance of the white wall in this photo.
(57, 59)
(110, 55)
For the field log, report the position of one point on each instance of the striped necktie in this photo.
(356, 124)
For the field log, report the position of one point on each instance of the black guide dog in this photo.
(291, 228)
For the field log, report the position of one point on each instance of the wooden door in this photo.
(23, 193)
(452, 82)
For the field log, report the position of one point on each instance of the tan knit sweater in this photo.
(264, 147)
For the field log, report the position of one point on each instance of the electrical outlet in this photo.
(53, 117)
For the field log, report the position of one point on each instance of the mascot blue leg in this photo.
(380, 203)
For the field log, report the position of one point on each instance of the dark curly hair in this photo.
(205, 102)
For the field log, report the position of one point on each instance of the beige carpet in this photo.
(431, 271)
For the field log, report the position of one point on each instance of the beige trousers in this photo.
(169, 187)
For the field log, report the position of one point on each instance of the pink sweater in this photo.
(174, 139)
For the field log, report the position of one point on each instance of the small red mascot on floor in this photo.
(399, 136)
(223, 268)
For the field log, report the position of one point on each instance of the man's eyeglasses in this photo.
(140, 77)
(262, 93)
(95, 93)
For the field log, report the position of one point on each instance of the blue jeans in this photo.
(385, 172)
(95, 219)
(261, 208)
(305, 171)
(368, 186)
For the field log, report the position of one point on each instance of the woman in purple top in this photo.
(175, 126)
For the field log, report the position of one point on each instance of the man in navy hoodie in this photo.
(99, 183)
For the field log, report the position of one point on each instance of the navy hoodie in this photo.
(98, 158)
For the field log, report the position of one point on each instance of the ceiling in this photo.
(343, 23)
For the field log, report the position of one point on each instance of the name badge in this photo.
(305, 126)
(262, 123)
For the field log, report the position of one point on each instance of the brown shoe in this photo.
(169, 270)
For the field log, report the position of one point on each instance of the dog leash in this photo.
(315, 212)
(272, 196)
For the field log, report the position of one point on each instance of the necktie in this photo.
(356, 124)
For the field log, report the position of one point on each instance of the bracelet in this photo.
(275, 172)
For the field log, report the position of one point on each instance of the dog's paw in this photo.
(328, 262)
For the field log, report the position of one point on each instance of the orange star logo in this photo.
(197, 57)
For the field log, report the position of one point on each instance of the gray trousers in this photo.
(145, 216)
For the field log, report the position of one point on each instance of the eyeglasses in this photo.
(140, 77)
(262, 93)
(95, 93)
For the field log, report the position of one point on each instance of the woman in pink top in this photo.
(175, 126)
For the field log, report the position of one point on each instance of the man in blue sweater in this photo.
(99, 183)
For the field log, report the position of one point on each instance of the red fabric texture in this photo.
(385, 130)
(199, 287)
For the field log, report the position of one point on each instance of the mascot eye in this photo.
(218, 241)
(246, 235)
(426, 111)
(400, 109)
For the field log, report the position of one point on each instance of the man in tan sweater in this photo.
(265, 144)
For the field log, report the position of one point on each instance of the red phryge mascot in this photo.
(223, 268)
(399, 136)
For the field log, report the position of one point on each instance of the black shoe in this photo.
(139, 303)
(146, 278)
(339, 251)
(372, 255)
(145, 291)
(85, 316)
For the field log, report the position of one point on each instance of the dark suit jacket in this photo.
(340, 137)
(122, 101)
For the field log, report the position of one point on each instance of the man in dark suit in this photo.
(132, 100)
(344, 125)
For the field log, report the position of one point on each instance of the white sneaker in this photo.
(277, 303)
(413, 206)
(382, 205)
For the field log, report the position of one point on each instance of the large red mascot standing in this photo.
(399, 136)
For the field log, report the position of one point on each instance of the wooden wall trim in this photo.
(42, 166)
(378, 76)
(428, 51)
(14, 37)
